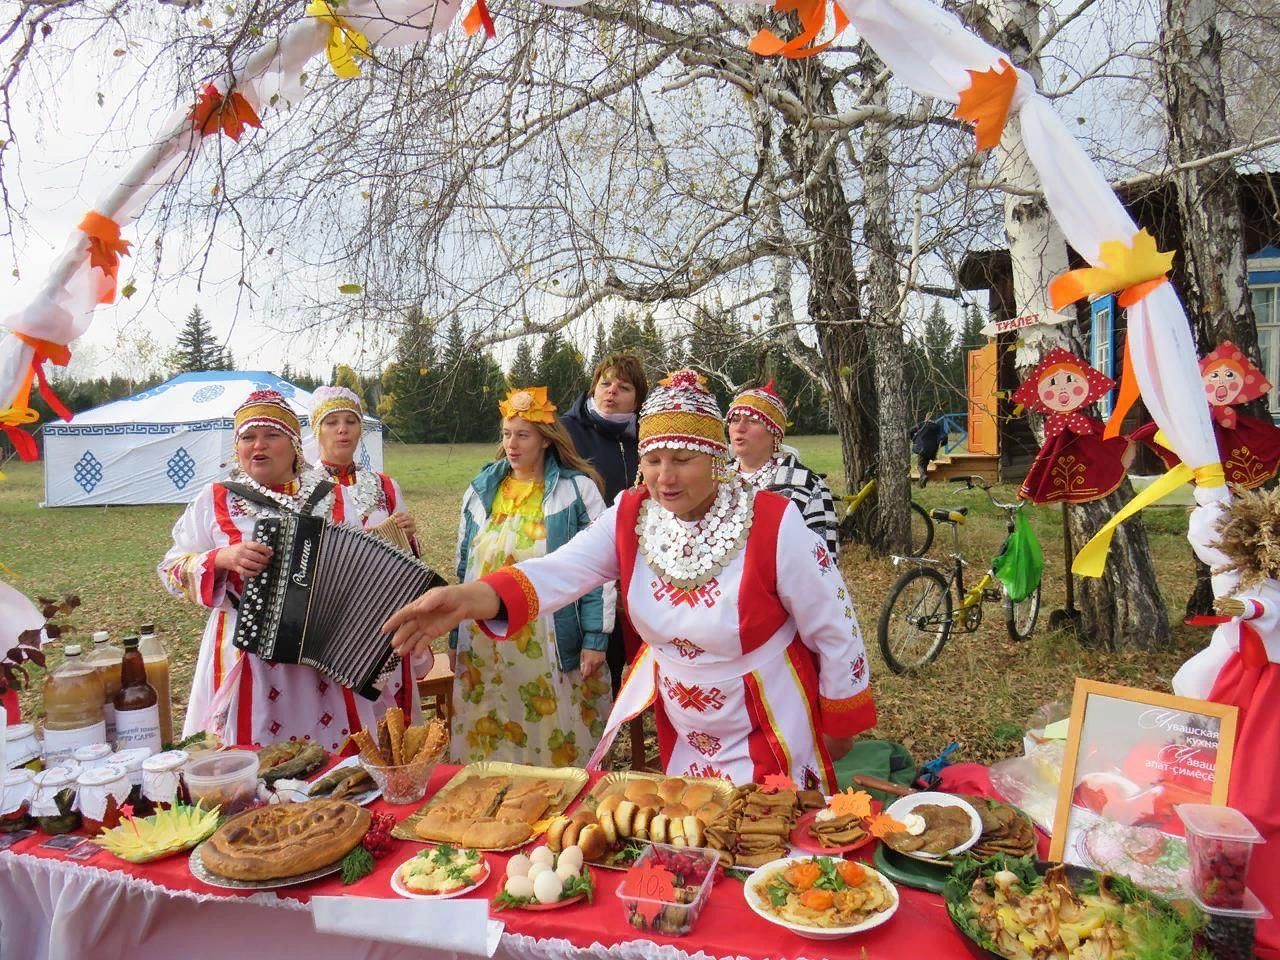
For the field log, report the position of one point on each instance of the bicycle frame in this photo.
(855, 500)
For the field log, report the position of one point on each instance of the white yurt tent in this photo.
(164, 444)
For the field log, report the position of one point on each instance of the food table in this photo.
(52, 906)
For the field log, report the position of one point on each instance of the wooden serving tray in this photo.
(572, 781)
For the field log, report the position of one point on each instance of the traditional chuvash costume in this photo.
(374, 495)
(247, 699)
(783, 472)
(1075, 464)
(1249, 447)
(751, 648)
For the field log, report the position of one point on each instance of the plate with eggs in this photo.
(545, 880)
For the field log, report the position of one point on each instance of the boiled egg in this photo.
(571, 855)
(518, 866)
(567, 871)
(520, 887)
(537, 868)
(542, 853)
(547, 887)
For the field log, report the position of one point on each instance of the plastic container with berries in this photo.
(693, 871)
(1220, 844)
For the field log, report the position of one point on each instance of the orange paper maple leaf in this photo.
(230, 113)
(1131, 270)
(851, 803)
(812, 15)
(105, 248)
(985, 102)
(882, 825)
(775, 782)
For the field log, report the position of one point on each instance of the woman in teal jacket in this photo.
(543, 697)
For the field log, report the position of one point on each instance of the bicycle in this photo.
(918, 615)
(921, 525)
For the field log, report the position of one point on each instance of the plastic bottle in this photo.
(156, 660)
(105, 658)
(137, 706)
(73, 697)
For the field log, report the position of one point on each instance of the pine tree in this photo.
(406, 382)
(197, 349)
(524, 370)
(599, 347)
(560, 371)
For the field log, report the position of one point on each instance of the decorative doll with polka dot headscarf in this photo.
(1075, 464)
(1249, 446)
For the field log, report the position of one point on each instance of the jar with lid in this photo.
(94, 755)
(73, 698)
(53, 800)
(162, 780)
(22, 746)
(99, 793)
(15, 800)
(130, 761)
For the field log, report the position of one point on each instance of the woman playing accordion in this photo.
(246, 699)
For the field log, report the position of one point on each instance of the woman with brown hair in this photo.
(544, 698)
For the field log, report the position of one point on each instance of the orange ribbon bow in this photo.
(985, 102)
(812, 15)
(105, 249)
(230, 113)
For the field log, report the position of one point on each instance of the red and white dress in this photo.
(746, 671)
(245, 699)
(373, 496)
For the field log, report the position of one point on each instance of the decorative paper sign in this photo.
(1131, 756)
(851, 804)
(651, 884)
(1017, 323)
(775, 782)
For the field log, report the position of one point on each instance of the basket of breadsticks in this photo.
(401, 759)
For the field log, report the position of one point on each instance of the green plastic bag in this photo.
(1021, 562)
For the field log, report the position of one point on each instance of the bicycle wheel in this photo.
(915, 620)
(1021, 616)
(921, 530)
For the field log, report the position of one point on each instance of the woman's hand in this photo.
(405, 523)
(436, 612)
(248, 559)
(837, 747)
(590, 662)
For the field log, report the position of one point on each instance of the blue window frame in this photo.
(1102, 343)
(1264, 286)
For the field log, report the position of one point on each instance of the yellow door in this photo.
(984, 363)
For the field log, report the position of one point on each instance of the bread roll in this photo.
(649, 799)
(571, 833)
(696, 794)
(675, 832)
(640, 823)
(658, 828)
(555, 834)
(693, 833)
(592, 842)
(674, 810)
(582, 815)
(671, 789)
(609, 827)
(708, 812)
(609, 803)
(637, 789)
(624, 818)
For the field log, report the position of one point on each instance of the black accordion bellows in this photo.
(324, 597)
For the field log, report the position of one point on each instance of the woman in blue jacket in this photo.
(543, 698)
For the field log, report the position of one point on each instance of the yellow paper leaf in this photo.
(350, 288)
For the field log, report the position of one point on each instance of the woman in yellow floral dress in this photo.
(543, 696)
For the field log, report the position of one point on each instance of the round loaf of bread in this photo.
(674, 810)
(555, 833)
(572, 832)
(609, 803)
(640, 823)
(583, 815)
(285, 839)
(609, 827)
(658, 828)
(624, 818)
(592, 842)
(637, 789)
(696, 794)
(649, 799)
(671, 789)
(694, 835)
(675, 832)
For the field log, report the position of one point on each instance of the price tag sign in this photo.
(652, 883)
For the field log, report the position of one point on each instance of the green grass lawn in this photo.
(978, 693)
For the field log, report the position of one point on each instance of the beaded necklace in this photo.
(687, 555)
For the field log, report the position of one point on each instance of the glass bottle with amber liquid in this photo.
(136, 703)
(156, 659)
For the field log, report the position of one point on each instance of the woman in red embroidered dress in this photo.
(1249, 447)
(752, 654)
(337, 419)
(1076, 464)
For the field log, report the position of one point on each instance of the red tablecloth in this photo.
(727, 926)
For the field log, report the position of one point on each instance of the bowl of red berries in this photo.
(1219, 844)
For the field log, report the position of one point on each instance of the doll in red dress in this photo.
(1075, 465)
(1249, 447)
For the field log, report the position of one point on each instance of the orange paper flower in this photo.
(230, 113)
(882, 825)
(985, 102)
(105, 249)
(851, 803)
(1130, 270)
(812, 15)
(477, 18)
(775, 782)
(528, 403)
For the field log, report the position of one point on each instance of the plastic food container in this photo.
(1219, 844)
(228, 780)
(695, 872)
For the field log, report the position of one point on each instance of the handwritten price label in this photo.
(652, 883)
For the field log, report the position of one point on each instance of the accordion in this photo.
(323, 598)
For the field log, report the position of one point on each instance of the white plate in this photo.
(404, 891)
(904, 805)
(755, 900)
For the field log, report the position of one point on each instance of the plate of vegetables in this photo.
(440, 873)
(822, 898)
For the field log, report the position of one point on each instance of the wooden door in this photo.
(984, 435)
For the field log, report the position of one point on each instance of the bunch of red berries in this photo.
(378, 838)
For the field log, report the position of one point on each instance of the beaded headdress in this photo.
(269, 408)
(327, 400)
(528, 403)
(762, 404)
(681, 413)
